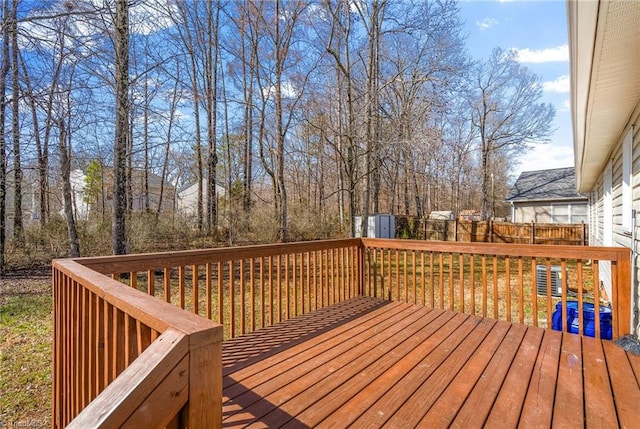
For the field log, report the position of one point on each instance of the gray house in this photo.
(548, 196)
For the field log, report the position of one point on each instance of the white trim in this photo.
(607, 217)
(627, 180)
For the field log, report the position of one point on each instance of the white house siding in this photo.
(620, 236)
(533, 212)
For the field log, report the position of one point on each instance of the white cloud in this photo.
(546, 55)
(562, 85)
(546, 156)
(287, 91)
(487, 23)
(566, 106)
(148, 17)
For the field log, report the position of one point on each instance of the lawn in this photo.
(25, 350)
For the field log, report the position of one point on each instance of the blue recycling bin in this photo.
(588, 315)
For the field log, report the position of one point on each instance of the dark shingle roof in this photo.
(546, 185)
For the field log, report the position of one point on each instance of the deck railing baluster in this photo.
(484, 285)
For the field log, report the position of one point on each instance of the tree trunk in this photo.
(4, 71)
(281, 194)
(145, 150)
(18, 224)
(167, 146)
(122, 126)
(65, 170)
(211, 85)
(43, 167)
(248, 93)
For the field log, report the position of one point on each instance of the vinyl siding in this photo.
(596, 209)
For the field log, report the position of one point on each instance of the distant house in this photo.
(83, 204)
(187, 201)
(548, 196)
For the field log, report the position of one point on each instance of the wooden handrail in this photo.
(156, 383)
(504, 249)
(152, 261)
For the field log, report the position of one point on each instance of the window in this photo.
(569, 213)
(560, 213)
(579, 213)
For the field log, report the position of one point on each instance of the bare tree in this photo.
(4, 71)
(42, 151)
(507, 113)
(187, 25)
(18, 224)
(121, 29)
(339, 47)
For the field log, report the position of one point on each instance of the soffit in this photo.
(613, 87)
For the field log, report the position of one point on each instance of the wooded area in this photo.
(247, 120)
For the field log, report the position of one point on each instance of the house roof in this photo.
(604, 49)
(546, 185)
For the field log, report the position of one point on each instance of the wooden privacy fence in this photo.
(492, 232)
(131, 350)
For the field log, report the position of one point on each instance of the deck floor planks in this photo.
(626, 395)
(292, 357)
(486, 334)
(384, 408)
(599, 408)
(278, 390)
(327, 406)
(537, 410)
(507, 391)
(357, 365)
(350, 411)
(568, 408)
(485, 368)
(241, 355)
(366, 362)
(479, 403)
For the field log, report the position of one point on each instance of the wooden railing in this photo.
(270, 283)
(122, 356)
(502, 281)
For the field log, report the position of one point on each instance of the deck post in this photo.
(361, 276)
(621, 278)
(204, 407)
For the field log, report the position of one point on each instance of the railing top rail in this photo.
(505, 249)
(155, 313)
(114, 406)
(151, 261)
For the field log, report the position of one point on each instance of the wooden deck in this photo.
(373, 363)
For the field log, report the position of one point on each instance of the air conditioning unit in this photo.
(556, 280)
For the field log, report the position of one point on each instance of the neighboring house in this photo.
(604, 46)
(548, 196)
(83, 204)
(187, 200)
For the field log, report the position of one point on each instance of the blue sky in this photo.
(538, 31)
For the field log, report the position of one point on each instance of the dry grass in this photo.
(25, 350)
